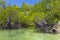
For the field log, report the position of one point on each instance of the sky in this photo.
(19, 2)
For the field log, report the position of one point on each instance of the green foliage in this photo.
(46, 9)
(52, 10)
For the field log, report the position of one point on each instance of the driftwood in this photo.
(56, 27)
(13, 25)
(44, 26)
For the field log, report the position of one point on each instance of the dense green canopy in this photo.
(46, 9)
